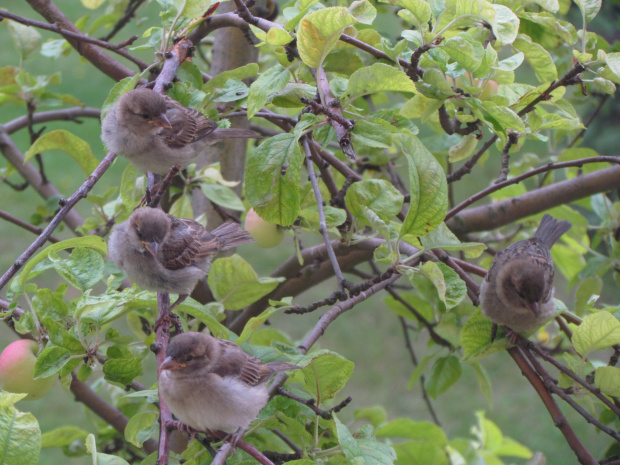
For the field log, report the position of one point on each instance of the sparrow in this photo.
(162, 253)
(155, 132)
(212, 384)
(517, 292)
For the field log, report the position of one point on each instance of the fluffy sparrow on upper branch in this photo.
(156, 132)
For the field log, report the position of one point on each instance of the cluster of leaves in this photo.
(401, 96)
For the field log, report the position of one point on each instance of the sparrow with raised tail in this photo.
(156, 132)
(212, 384)
(518, 289)
(162, 253)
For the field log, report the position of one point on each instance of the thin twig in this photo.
(66, 114)
(322, 223)
(55, 27)
(67, 205)
(587, 123)
(337, 310)
(27, 226)
(132, 6)
(414, 360)
(513, 137)
(311, 404)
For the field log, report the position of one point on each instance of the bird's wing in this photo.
(188, 125)
(535, 251)
(187, 243)
(234, 361)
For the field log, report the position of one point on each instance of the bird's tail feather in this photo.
(550, 230)
(232, 133)
(282, 366)
(231, 235)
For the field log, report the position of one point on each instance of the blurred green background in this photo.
(370, 335)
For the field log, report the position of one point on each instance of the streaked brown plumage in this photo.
(163, 253)
(155, 132)
(518, 289)
(212, 384)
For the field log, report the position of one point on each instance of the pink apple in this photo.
(265, 234)
(489, 90)
(17, 370)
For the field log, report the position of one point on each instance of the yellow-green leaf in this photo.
(69, 143)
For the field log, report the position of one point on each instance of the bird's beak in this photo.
(161, 121)
(152, 247)
(533, 306)
(171, 364)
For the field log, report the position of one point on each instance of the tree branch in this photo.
(46, 190)
(67, 114)
(508, 211)
(91, 52)
(67, 205)
(27, 226)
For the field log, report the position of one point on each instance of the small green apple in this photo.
(266, 234)
(17, 370)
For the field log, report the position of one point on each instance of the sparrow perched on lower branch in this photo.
(518, 289)
(155, 132)
(162, 253)
(212, 384)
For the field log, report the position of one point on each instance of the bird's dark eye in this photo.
(139, 233)
(188, 358)
(145, 115)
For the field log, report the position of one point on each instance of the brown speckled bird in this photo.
(156, 132)
(212, 384)
(518, 289)
(162, 253)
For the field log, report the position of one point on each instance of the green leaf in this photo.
(131, 190)
(462, 51)
(423, 431)
(122, 86)
(505, 25)
(61, 437)
(380, 196)
(589, 8)
(27, 39)
(50, 360)
(92, 4)
(193, 8)
(333, 217)
(506, 118)
(443, 238)
(607, 379)
(83, 269)
(613, 62)
(8, 399)
(94, 242)
(190, 73)
(476, 338)
(222, 195)
(256, 322)
(61, 337)
(348, 444)
(377, 78)
(319, 31)
(272, 179)
(182, 207)
(363, 11)
(243, 72)
(420, 453)
(428, 188)
(597, 331)
(97, 457)
(325, 374)
(450, 287)
(538, 58)
(445, 372)
(207, 314)
(278, 37)
(20, 437)
(235, 284)
(419, 9)
(271, 81)
(141, 427)
(67, 142)
(122, 370)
